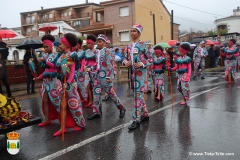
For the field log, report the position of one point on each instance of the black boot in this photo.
(194, 78)
(106, 98)
(94, 116)
(144, 118)
(202, 77)
(134, 125)
(122, 112)
(28, 92)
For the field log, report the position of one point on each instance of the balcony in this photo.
(28, 22)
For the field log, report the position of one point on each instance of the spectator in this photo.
(3, 77)
(118, 58)
(3, 49)
(212, 56)
(29, 55)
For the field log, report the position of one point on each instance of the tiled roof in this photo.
(18, 41)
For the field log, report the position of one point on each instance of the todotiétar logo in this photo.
(13, 143)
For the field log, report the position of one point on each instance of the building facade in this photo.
(116, 17)
(76, 16)
(231, 23)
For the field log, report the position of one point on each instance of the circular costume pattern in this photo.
(102, 74)
(73, 103)
(54, 93)
(136, 84)
(97, 90)
(102, 59)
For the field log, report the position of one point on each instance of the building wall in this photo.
(162, 20)
(111, 16)
(233, 24)
(175, 32)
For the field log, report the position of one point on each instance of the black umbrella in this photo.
(197, 40)
(30, 43)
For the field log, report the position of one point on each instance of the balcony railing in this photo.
(26, 22)
(58, 18)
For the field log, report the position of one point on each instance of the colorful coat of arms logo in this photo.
(13, 143)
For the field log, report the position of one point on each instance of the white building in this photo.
(231, 23)
(62, 29)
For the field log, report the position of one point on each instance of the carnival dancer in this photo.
(73, 115)
(158, 67)
(51, 86)
(135, 59)
(80, 69)
(103, 79)
(230, 52)
(90, 61)
(184, 69)
(199, 56)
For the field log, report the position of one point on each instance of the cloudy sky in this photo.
(188, 18)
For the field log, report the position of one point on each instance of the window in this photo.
(28, 29)
(65, 14)
(81, 23)
(69, 13)
(50, 15)
(77, 23)
(28, 20)
(46, 16)
(124, 11)
(98, 17)
(124, 36)
(33, 19)
(15, 55)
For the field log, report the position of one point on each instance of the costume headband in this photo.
(182, 50)
(90, 41)
(48, 43)
(64, 41)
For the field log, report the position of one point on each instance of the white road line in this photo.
(103, 134)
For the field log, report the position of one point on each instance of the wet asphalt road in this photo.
(207, 126)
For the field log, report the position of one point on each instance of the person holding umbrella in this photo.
(51, 87)
(71, 106)
(136, 59)
(30, 56)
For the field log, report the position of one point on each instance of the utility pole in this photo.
(172, 24)
(154, 30)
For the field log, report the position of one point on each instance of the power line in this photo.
(195, 9)
(174, 16)
(179, 17)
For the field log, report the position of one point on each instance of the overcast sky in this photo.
(10, 11)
